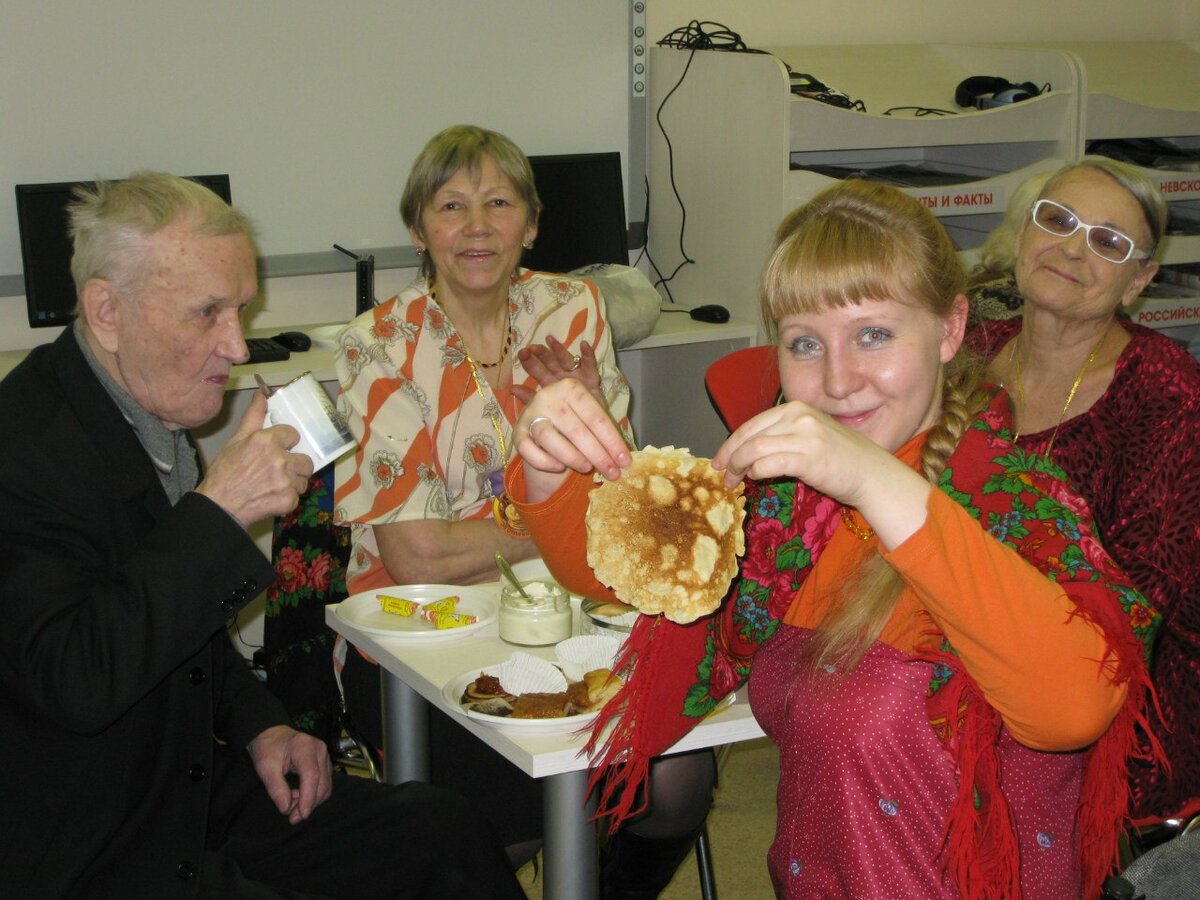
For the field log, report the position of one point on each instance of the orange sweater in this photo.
(1011, 626)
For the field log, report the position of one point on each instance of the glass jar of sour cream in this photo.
(543, 619)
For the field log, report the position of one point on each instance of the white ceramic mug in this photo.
(303, 404)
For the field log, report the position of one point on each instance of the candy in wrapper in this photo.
(397, 605)
(445, 605)
(442, 620)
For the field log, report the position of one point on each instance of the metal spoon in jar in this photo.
(510, 576)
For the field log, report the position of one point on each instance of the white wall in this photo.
(314, 109)
(67, 96)
(775, 23)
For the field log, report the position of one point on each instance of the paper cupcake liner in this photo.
(582, 654)
(522, 673)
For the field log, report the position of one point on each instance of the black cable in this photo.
(919, 111)
(646, 248)
(692, 36)
(237, 627)
(687, 260)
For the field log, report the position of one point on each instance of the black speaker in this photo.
(988, 91)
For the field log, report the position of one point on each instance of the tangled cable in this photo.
(692, 36)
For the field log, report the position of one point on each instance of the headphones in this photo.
(987, 91)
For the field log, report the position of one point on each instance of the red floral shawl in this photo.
(683, 671)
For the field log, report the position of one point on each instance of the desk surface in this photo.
(428, 669)
(672, 329)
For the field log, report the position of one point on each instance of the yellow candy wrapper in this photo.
(442, 620)
(445, 605)
(398, 605)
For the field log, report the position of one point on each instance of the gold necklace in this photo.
(503, 349)
(492, 412)
(863, 533)
(492, 409)
(1070, 395)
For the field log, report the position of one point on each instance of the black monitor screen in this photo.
(46, 246)
(583, 212)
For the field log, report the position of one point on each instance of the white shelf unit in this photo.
(735, 131)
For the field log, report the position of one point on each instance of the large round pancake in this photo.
(667, 534)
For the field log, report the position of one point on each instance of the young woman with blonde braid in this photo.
(951, 665)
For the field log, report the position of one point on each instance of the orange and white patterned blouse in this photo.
(430, 436)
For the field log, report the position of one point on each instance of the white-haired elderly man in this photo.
(141, 758)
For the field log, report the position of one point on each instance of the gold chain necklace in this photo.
(492, 409)
(1070, 395)
(503, 349)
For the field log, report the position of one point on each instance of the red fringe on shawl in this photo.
(1105, 800)
(622, 762)
(981, 852)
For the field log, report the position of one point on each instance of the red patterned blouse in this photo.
(1135, 456)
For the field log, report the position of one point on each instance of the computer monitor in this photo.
(583, 212)
(46, 246)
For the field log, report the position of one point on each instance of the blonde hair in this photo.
(858, 241)
(462, 148)
(998, 252)
(112, 222)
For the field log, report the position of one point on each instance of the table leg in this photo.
(405, 731)
(570, 838)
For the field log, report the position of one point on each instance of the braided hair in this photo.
(857, 241)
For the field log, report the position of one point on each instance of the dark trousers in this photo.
(367, 841)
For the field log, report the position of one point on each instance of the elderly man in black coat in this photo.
(141, 758)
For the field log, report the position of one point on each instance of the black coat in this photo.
(116, 672)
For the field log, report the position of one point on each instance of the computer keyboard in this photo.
(265, 350)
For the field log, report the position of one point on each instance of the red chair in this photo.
(743, 383)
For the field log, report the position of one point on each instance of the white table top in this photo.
(427, 669)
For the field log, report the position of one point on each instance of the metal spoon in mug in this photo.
(511, 576)
(263, 386)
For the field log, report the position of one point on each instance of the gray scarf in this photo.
(170, 451)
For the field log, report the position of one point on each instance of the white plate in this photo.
(453, 692)
(363, 612)
(324, 336)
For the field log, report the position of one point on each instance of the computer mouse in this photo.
(296, 341)
(710, 312)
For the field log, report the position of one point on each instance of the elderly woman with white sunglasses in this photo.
(1117, 407)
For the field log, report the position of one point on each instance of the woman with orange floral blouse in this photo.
(431, 384)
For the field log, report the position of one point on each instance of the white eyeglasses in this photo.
(1107, 243)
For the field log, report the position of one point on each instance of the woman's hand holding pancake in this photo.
(797, 440)
(565, 427)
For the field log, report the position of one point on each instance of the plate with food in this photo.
(425, 613)
(531, 697)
